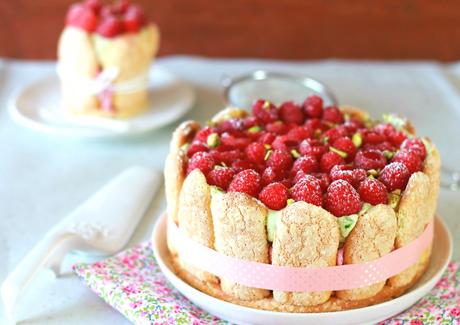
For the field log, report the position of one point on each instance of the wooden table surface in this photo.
(289, 29)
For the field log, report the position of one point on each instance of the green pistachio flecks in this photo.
(366, 207)
(388, 154)
(394, 198)
(373, 172)
(346, 225)
(213, 140)
(254, 129)
(267, 146)
(290, 201)
(357, 139)
(341, 153)
(268, 154)
(295, 153)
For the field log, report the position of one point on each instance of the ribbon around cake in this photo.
(103, 82)
(300, 279)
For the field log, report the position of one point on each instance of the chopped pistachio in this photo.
(341, 153)
(365, 208)
(346, 225)
(290, 201)
(266, 104)
(357, 139)
(295, 153)
(267, 146)
(272, 217)
(216, 191)
(325, 139)
(398, 122)
(373, 172)
(394, 198)
(213, 140)
(388, 154)
(268, 154)
(254, 129)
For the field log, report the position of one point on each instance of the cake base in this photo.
(333, 304)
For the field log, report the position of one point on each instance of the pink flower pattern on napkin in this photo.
(132, 283)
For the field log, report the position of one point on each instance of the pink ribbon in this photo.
(302, 279)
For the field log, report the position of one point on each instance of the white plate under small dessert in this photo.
(37, 106)
(440, 257)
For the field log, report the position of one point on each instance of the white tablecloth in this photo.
(42, 177)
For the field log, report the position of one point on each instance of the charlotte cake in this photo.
(301, 185)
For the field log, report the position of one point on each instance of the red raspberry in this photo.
(348, 173)
(329, 160)
(270, 176)
(373, 191)
(202, 135)
(220, 177)
(416, 145)
(81, 16)
(134, 19)
(324, 180)
(299, 133)
(110, 27)
(346, 145)
(395, 176)
(316, 124)
(308, 189)
(255, 152)
(291, 113)
(397, 138)
(313, 147)
(372, 137)
(246, 181)
(265, 111)
(274, 196)
(282, 142)
(313, 106)
(370, 159)
(232, 126)
(277, 127)
(94, 5)
(226, 157)
(410, 159)
(201, 160)
(331, 135)
(353, 125)
(287, 182)
(342, 199)
(249, 121)
(234, 142)
(385, 145)
(280, 160)
(195, 147)
(333, 114)
(267, 138)
(306, 164)
(385, 128)
(240, 165)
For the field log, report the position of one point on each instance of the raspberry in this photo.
(333, 114)
(240, 165)
(280, 160)
(329, 160)
(342, 199)
(110, 27)
(220, 177)
(270, 176)
(134, 19)
(291, 113)
(267, 138)
(308, 189)
(324, 180)
(347, 173)
(255, 152)
(231, 126)
(395, 176)
(410, 159)
(306, 164)
(277, 127)
(282, 142)
(331, 135)
(287, 182)
(201, 160)
(299, 133)
(202, 135)
(313, 106)
(81, 16)
(246, 181)
(373, 191)
(226, 157)
(353, 125)
(397, 138)
(94, 5)
(265, 111)
(274, 196)
(195, 147)
(372, 137)
(385, 145)
(385, 128)
(312, 147)
(416, 145)
(316, 124)
(234, 142)
(370, 159)
(121, 6)
(346, 145)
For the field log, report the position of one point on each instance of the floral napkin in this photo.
(132, 283)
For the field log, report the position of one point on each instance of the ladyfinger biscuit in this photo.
(228, 113)
(183, 134)
(432, 169)
(306, 235)
(239, 227)
(194, 215)
(412, 219)
(372, 237)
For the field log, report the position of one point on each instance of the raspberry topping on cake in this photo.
(307, 153)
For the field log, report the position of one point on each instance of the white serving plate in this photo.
(38, 106)
(441, 255)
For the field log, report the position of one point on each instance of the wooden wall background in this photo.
(284, 29)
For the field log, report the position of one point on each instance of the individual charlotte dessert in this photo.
(104, 56)
(300, 186)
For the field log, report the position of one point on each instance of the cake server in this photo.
(105, 222)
